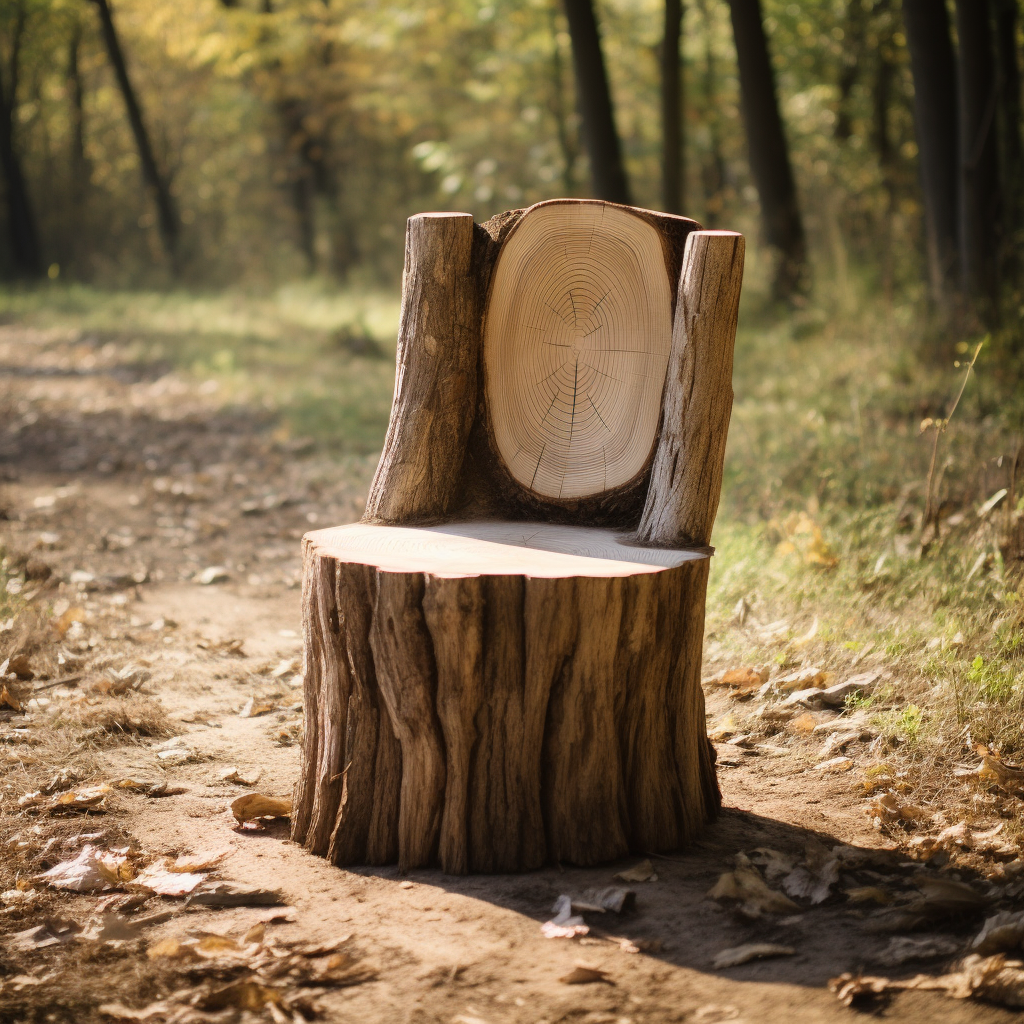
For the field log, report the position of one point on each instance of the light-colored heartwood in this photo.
(576, 342)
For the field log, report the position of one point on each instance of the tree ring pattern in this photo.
(576, 344)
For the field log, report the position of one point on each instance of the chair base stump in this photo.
(490, 697)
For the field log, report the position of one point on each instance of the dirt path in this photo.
(128, 488)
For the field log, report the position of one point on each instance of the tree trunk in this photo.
(520, 683)
(547, 706)
(156, 182)
(78, 162)
(981, 205)
(1006, 19)
(769, 154)
(855, 28)
(673, 158)
(21, 222)
(594, 99)
(936, 123)
(568, 141)
(713, 168)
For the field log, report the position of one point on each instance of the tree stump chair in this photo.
(502, 659)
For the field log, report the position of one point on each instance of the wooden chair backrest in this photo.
(569, 363)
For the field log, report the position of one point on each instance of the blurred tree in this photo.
(673, 157)
(713, 166)
(854, 37)
(1007, 16)
(21, 221)
(769, 154)
(936, 124)
(607, 171)
(157, 183)
(980, 199)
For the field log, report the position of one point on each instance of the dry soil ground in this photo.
(127, 483)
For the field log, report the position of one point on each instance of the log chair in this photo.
(502, 659)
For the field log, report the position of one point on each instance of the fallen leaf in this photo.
(256, 805)
(869, 894)
(642, 872)
(189, 862)
(834, 764)
(54, 931)
(723, 728)
(813, 880)
(801, 679)
(213, 574)
(227, 894)
(240, 995)
(601, 900)
(751, 951)
(8, 700)
(92, 870)
(803, 724)
(889, 808)
(120, 1012)
(992, 769)
(1000, 934)
(747, 886)
(903, 949)
(583, 975)
(233, 774)
(564, 924)
(162, 882)
(256, 933)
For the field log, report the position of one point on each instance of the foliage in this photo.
(301, 139)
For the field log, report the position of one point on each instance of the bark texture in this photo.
(686, 476)
(436, 383)
(537, 719)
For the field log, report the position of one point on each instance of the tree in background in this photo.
(156, 181)
(980, 198)
(769, 154)
(1007, 18)
(673, 160)
(21, 222)
(935, 122)
(594, 99)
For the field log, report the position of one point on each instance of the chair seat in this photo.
(496, 548)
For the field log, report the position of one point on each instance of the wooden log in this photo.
(537, 719)
(577, 330)
(436, 382)
(686, 476)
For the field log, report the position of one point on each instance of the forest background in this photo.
(221, 188)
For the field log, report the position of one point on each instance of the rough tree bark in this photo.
(980, 197)
(155, 179)
(492, 693)
(673, 158)
(769, 153)
(594, 99)
(936, 123)
(26, 253)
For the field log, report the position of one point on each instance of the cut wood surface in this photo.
(576, 343)
(686, 477)
(555, 716)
